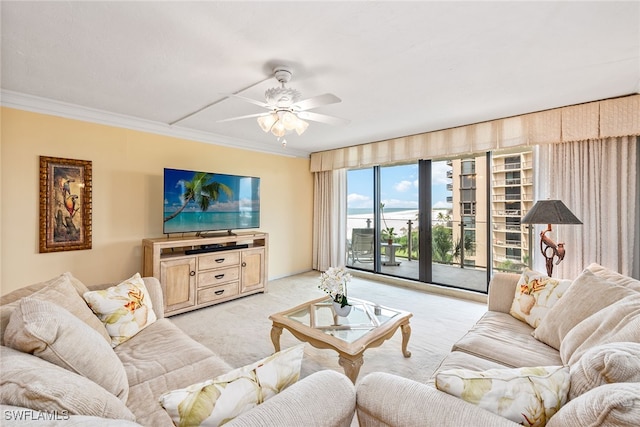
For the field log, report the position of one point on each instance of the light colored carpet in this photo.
(239, 331)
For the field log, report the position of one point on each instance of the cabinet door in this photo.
(252, 270)
(178, 279)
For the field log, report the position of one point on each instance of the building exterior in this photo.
(511, 196)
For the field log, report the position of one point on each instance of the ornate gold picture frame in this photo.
(65, 204)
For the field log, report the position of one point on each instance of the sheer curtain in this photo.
(598, 181)
(329, 219)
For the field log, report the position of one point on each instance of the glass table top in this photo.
(364, 317)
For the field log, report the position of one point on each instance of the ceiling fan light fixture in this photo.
(289, 120)
(267, 122)
(278, 129)
(301, 126)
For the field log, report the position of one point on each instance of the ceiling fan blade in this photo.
(251, 101)
(249, 116)
(316, 101)
(322, 118)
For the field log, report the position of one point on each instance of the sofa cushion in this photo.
(64, 291)
(31, 382)
(462, 360)
(125, 309)
(503, 339)
(615, 404)
(528, 396)
(617, 362)
(586, 295)
(614, 277)
(618, 322)
(216, 401)
(50, 332)
(535, 294)
(160, 358)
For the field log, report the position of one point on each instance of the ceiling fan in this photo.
(285, 111)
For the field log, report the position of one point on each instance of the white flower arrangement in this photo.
(334, 282)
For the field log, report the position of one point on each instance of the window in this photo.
(468, 208)
(472, 208)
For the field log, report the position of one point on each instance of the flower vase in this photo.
(341, 311)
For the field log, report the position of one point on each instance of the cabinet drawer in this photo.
(217, 260)
(218, 276)
(217, 292)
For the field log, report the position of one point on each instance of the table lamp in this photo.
(550, 212)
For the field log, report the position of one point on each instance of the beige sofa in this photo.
(157, 359)
(596, 332)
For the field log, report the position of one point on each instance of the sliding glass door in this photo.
(361, 221)
(399, 229)
(459, 223)
(446, 221)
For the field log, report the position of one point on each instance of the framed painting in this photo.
(65, 204)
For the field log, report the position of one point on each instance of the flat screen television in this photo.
(201, 202)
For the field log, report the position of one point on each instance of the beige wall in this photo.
(127, 196)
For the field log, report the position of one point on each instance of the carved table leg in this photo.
(351, 366)
(276, 331)
(406, 334)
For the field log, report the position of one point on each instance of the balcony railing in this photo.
(512, 166)
(508, 243)
(507, 227)
(508, 212)
(511, 197)
(512, 181)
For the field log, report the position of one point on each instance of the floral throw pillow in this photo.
(535, 294)
(217, 401)
(527, 396)
(125, 309)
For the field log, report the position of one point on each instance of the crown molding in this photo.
(36, 104)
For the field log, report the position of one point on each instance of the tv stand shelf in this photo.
(196, 272)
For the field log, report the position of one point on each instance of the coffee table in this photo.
(368, 325)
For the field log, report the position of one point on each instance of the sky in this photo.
(399, 186)
(245, 192)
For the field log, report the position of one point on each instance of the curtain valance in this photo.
(598, 119)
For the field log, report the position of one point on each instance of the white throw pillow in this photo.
(616, 362)
(124, 309)
(619, 322)
(30, 382)
(587, 295)
(528, 396)
(217, 401)
(535, 294)
(50, 332)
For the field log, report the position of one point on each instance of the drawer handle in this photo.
(219, 292)
(192, 273)
(244, 264)
(219, 260)
(219, 276)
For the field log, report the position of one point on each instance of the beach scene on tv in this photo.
(202, 201)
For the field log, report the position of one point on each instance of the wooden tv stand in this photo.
(196, 272)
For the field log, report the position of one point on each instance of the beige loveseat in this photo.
(594, 327)
(159, 358)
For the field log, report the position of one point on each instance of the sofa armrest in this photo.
(325, 398)
(389, 400)
(502, 290)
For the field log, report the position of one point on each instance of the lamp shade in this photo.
(550, 212)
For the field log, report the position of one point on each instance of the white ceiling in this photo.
(400, 67)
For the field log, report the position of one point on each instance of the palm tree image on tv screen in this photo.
(201, 201)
